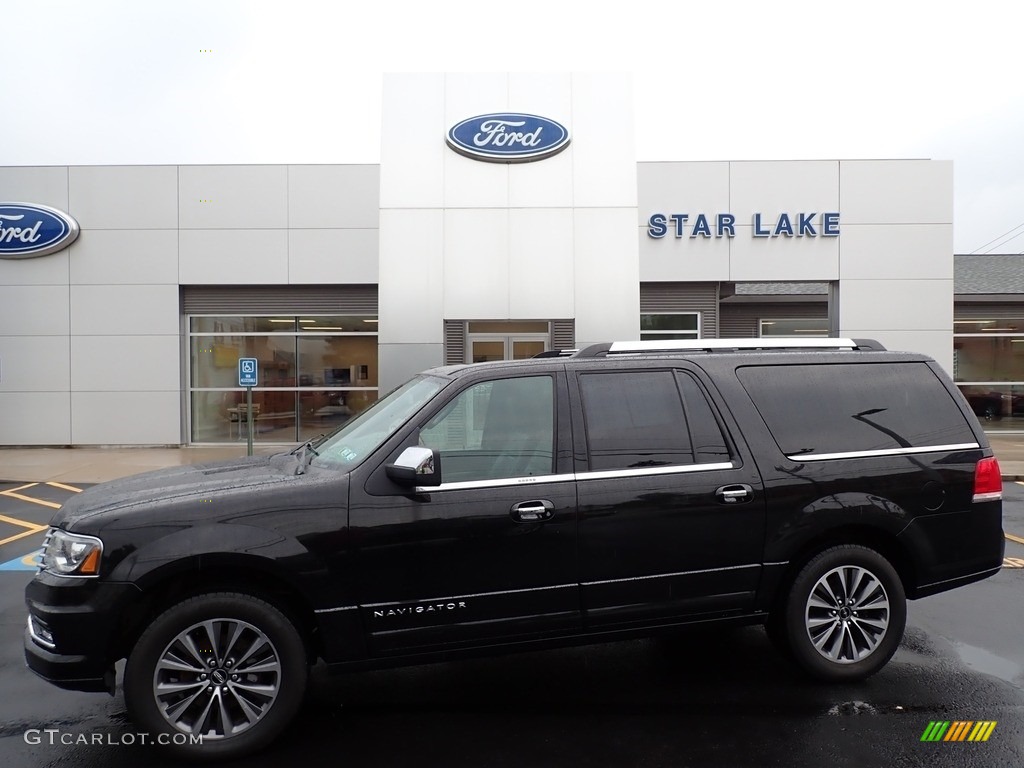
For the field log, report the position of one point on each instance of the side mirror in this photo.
(416, 466)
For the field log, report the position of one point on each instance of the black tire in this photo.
(241, 701)
(844, 614)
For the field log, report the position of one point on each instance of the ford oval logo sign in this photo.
(28, 230)
(508, 137)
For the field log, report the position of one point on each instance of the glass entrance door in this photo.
(500, 340)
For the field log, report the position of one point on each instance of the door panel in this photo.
(491, 553)
(671, 511)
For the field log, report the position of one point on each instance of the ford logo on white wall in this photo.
(508, 137)
(28, 230)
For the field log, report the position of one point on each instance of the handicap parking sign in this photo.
(247, 371)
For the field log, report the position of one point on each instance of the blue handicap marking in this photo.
(29, 562)
(247, 371)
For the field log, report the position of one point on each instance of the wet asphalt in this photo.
(699, 699)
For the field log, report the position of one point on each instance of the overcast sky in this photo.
(298, 81)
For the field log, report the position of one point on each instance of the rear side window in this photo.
(637, 419)
(824, 409)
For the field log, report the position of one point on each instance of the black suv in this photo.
(627, 489)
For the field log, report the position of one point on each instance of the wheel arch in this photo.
(878, 539)
(209, 573)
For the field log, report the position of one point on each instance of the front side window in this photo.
(496, 429)
(361, 436)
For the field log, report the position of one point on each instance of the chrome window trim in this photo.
(675, 469)
(670, 575)
(880, 453)
(503, 481)
(611, 474)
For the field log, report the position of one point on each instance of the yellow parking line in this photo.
(65, 487)
(1011, 537)
(32, 528)
(19, 488)
(50, 504)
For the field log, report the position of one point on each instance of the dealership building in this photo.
(508, 216)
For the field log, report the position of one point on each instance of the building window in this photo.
(315, 372)
(988, 366)
(806, 326)
(670, 325)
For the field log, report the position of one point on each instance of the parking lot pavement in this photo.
(25, 512)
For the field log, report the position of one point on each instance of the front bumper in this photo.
(73, 628)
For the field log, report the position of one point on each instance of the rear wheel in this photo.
(227, 670)
(844, 614)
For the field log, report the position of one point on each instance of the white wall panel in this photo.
(125, 256)
(125, 363)
(901, 305)
(476, 264)
(689, 188)
(242, 257)
(410, 294)
(35, 418)
(547, 183)
(125, 418)
(34, 310)
(52, 269)
(604, 149)
(399, 362)
(35, 184)
(607, 279)
(124, 309)
(896, 251)
(412, 149)
(332, 255)
(333, 196)
(34, 364)
(233, 196)
(783, 258)
(686, 259)
(473, 183)
(124, 196)
(541, 263)
(897, 191)
(771, 188)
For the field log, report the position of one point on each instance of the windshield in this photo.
(361, 436)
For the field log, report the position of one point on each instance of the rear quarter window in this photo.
(825, 409)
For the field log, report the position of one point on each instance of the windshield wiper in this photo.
(302, 451)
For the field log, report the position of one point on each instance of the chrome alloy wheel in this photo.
(847, 614)
(217, 678)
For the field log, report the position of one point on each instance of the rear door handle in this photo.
(734, 494)
(532, 511)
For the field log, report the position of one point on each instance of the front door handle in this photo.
(734, 494)
(532, 511)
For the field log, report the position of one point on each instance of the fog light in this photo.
(41, 633)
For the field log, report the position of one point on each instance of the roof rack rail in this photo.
(557, 353)
(726, 345)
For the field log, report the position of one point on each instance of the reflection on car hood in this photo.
(176, 484)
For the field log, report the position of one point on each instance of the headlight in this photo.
(71, 554)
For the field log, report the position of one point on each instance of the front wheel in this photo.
(844, 614)
(216, 676)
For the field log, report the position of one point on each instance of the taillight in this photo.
(988, 481)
